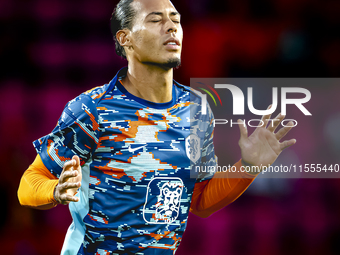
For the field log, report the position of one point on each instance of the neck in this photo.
(150, 82)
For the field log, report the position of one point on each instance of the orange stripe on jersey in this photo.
(132, 131)
(95, 124)
(95, 96)
(48, 147)
(159, 236)
(98, 95)
(86, 132)
(61, 157)
(101, 139)
(185, 104)
(90, 90)
(105, 220)
(98, 181)
(114, 172)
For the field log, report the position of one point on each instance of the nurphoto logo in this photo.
(238, 98)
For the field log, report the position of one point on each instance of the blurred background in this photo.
(51, 51)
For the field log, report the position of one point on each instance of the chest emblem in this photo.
(193, 147)
(163, 199)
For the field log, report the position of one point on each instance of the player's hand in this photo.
(69, 182)
(263, 146)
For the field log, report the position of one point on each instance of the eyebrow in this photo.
(161, 14)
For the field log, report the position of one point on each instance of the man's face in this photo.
(157, 34)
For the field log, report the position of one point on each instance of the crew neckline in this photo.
(142, 101)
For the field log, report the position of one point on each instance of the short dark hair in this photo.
(122, 17)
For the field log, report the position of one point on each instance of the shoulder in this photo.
(195, 95)
(86, 103)
(90, 97)
(97, 93)
(198, 101)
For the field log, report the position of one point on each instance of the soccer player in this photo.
(123, 154)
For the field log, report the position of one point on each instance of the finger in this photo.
(286, 144)
(243, 129)
(283, 131)
(265, 119)
(69, 164)
(67, 198)
(69, 185)
(66, 171)
(274, 123)
(77, 161)
(66, 175)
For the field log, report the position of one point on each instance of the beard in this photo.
(173, 63)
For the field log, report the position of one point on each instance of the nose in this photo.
(172, 30)
(171, 27)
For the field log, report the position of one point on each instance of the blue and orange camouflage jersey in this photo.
(137, 162)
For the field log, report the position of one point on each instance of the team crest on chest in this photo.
(163, 200)
(193, 147)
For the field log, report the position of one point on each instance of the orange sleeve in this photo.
(37, 186)
(212, 195)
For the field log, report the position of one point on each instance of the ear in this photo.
(124, 38)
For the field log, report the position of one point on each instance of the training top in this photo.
(138, 163)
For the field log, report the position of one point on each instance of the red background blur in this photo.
(51, 51)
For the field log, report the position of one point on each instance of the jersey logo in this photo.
(193, 147)
(163, 199)
(135, 149)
